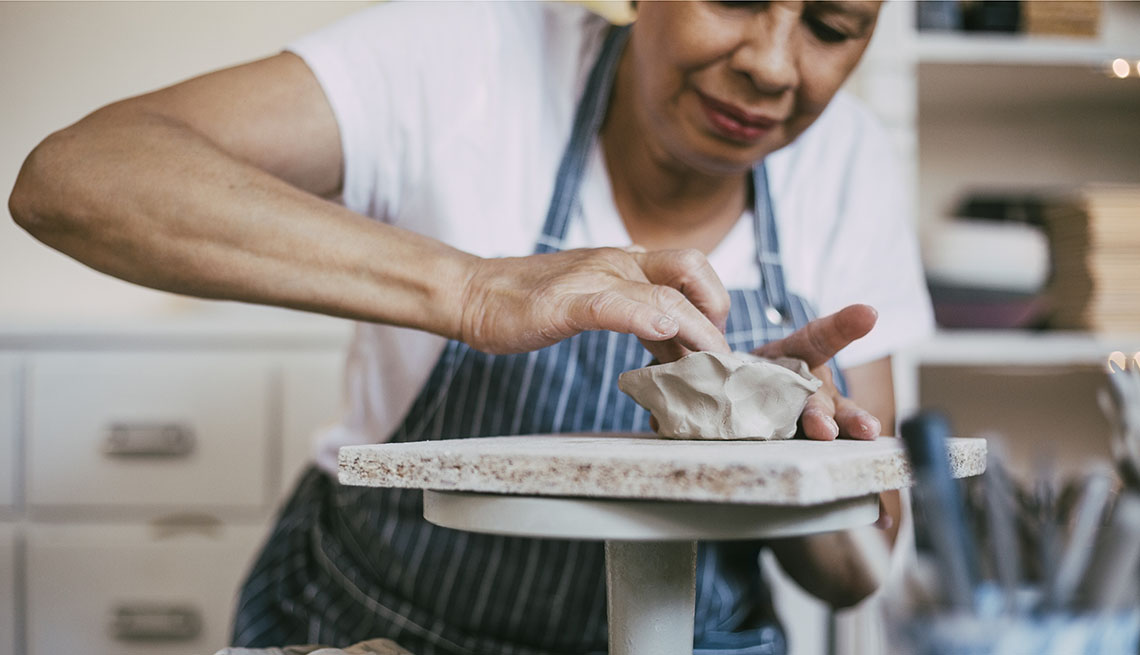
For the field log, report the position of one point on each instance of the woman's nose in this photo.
(767, 56)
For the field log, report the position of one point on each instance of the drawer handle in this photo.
(156, 622)
(148, 440)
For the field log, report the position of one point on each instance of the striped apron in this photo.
(345, 564)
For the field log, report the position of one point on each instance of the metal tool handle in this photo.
(937, 496)
(124, 439)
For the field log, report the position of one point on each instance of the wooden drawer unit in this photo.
(9, 415)
(134, 589)
(8, 564)
(148, 430)
(313, 398)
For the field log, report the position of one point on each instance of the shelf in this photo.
(1018, 348)
(1020, 49)
(985, 73)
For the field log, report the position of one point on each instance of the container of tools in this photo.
(1039, 566)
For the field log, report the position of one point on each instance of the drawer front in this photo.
(312, 393)
(134, 589)
(9, 397)
(148, 430)
(8, 565)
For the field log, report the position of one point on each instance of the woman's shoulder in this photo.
(845, 136)
(427, 93)
(845, 126)
(455, 32)
(419, 60)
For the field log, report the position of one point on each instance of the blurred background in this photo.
(145, 439)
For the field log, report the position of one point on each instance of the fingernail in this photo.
(870, 426)
(832, 426)
(665, 324)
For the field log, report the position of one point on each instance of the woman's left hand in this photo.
(828, 414)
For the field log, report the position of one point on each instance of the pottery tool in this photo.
(1000, 523)
(1045, 517)
(1112, 574)
(1120, 403)
(925, 436)
(1096, 492)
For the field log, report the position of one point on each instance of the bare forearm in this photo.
(843, 568)
(840, 568)
(145, 198)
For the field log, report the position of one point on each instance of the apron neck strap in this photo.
(768, 248)
(587, 121)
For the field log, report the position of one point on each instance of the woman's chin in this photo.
(714, 154)
(721, 160)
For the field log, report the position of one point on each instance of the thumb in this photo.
(819, 340)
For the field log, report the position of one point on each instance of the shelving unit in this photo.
(1018, 112)
(1023, 112)
(970, 110)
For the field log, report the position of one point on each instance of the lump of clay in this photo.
(709, 395)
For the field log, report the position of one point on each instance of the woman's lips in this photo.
(735, 123)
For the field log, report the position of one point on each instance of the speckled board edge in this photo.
(445, 466)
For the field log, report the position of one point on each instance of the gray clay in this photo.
(709, 395)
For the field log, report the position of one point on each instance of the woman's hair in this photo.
(618, 12)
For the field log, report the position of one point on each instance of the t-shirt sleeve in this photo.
(873, 257)
(393, 73)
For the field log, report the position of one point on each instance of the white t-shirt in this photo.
(453, 118)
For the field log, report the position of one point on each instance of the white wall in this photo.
(61, 60)
(1039, 149)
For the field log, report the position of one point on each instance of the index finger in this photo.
(819, 340)
(695, 332)
(689, 272)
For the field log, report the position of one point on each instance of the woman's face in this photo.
(720, 85)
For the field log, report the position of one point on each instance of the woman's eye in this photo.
(825, 32)
(743, 4)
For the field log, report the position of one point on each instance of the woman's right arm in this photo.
(216, 188)
(212, 188)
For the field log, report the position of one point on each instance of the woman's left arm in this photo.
(843, 568)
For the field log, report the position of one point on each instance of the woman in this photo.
(482, 157)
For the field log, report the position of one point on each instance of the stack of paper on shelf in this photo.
(1095, 240)
(985, 273)
(1061, 17)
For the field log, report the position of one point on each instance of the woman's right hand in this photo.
(671, 299)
